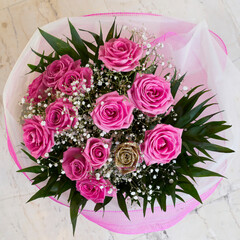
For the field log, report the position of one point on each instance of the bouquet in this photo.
(111, 119)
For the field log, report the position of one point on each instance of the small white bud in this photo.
(97, 175)
(110, 191)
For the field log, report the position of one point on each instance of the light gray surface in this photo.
(217, 219)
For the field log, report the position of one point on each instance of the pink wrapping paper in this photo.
(194, 49)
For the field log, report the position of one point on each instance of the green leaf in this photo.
(191, 160)
(193, 89)
(40, 178)
(175, 83)
(111, 31)
(35, 68)
(191, 115)
(40, 194)
(184, 166)
(45, 60)
(117, 35)
(99, 43)
(189, 148)
(204, 151)
(90, 45)
(188, 187)
(46, 190)
(98, 38)
(122, 203)
(204, 119)
(171, 190)
(182, 106)
(190, 103)
(179, 107)
(79, 44)
(152, 203)
(83, 204)
(161, 198)
(180, 198)
(33, 169)
(151, 69)
(212, 147)
(75, 204)
(132, 37)
(29, 155)
(173, 196)
(201, 172)
(208, 129)
(98, 206)
(64, 185)
(49, 58)
(145, 202)
(142, 60)
(59, 45)
(215, 136)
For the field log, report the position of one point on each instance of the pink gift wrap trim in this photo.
(116, 221)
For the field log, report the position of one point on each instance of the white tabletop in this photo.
(217, 219)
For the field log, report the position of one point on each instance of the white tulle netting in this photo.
(194, 49)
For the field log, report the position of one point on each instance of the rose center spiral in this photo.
(126, 158)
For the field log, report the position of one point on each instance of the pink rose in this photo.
(82, 76)
(98, 151)
(112, 112)
(151, 94)
(36, 90)
(55, 70)
(60, 115)
(76, 164)
(162, 144)
(121, 55)
(37, 137)
(93, 189)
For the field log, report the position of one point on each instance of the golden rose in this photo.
(127, 156)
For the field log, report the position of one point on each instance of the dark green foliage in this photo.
(111, 31)
(161, 198)
(45, 60)
(79, 44)
(33, 169)
(76, 47)
(59, 46)
(76, 202)
(99, 206)
(175, 83)
(122, 203)
(188, 187)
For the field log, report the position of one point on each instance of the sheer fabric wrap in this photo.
(193, 49)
